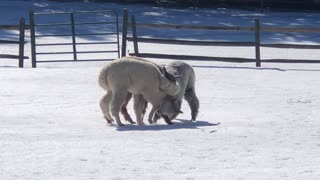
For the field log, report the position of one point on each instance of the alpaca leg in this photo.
(193, 101)
(156, 117)
(144, 108)
(124, 109)
(166, 119)
(105, 106)
(151, 114)
(118, 98)
(139, 105)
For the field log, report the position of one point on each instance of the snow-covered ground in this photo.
(254, 123)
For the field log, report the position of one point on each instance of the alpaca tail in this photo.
(102, 79)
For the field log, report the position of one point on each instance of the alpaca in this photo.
(187, 90)
(135, 76)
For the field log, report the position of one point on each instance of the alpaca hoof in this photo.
(120, 124)
(167, 120)
(154, 121)
(141, 124)
(109, 121)
(131, 122)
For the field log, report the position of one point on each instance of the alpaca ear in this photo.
(176, 76)
(164, 70)
(170, 77)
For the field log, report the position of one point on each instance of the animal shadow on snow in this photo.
(178, 124)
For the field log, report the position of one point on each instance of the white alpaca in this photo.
(129, 74)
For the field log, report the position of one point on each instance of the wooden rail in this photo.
(193, 27)
(190, 42)
(221, 59)
(289, 29)
(13, 27)
(194, 58)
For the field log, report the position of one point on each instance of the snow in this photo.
(254, 123)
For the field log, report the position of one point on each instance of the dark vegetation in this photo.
(247, 4)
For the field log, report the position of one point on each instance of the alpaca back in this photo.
(187, 76)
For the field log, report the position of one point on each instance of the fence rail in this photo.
(14, 27)
(226, 28)
(256, 29)
(21, 27)
(193, 27)
(189, 42)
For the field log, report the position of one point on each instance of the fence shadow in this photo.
(235, 67)
(256, 68)
(5, 66)
(178, 124)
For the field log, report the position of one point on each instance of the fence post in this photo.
(21, 41)
(118, 43)
(33, 41)
(261, 5)
(134, 35)
(257, 42)
(73, 32)
(124, 33)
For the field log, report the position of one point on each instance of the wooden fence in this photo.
(256, 29)
(21, 27)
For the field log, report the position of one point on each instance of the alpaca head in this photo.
(170, 83)
(170, 107)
